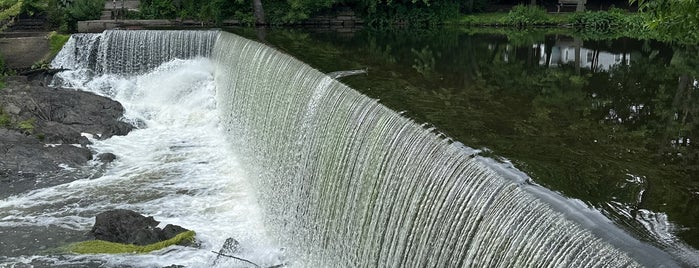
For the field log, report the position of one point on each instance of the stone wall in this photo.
(345, 19)
(21, 52)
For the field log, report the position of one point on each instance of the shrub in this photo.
(524, 15)
(158, 9)
(27, 126)
(599, 20)
(56, 42)
(4, 119)
(66, 14)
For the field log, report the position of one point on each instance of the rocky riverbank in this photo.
(41, 132)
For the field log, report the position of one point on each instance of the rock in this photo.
(24, 158)
(107, 158)
(129, 227)
(54, 120)
(230, 247)
(173, 230)
(63, 114)
(12, 109)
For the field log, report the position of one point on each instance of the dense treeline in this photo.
(291, 11)
(375, 12)
(62, 14)
(675, 20)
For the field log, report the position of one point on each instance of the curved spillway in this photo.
(337, 179)
(346, 181)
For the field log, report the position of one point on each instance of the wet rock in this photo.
(61, 114)
(106, 157)
(230, 247)
(24, 158)
(44, 133)
(129, 227)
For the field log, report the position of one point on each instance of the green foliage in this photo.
(598, 19)
(677, 19)
(41, 65)
(209, 10)
(65, 14)
(5, 120)
(302, 9)
(27, 126)
(105, 247)
(525, 15)
(56, 42)
(408, 12)
(591, 25)
(158, 9)
(9, 10)
(32, 7)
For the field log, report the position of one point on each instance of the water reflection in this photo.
(610, 122)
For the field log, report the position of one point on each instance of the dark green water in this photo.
(615, 127)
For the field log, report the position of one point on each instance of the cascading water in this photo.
(344, 181)
(239, 140)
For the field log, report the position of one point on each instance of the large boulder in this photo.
(40, 133)
(26, 162)
(61, 115)
(129, 227)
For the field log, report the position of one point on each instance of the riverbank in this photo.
(590, 25)
(44, 131)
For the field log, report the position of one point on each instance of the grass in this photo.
(27, 126)
(5, 120)
(56, 42)
(520, 15)
(105, 247)
(589, 25)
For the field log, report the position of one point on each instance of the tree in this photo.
(581, 6)
(259, 12)
(678, 18)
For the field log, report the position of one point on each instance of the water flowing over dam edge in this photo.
(345, 181)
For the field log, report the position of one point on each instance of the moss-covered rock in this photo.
(105, 247)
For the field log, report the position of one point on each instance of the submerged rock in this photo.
(125, 231)
(106, 157)
(129, 227)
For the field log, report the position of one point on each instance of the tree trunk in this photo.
(580, 6)
(259, 12)
(578, 45)
(533, 3)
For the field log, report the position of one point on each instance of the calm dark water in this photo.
(614, 126)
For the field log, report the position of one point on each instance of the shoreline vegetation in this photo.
(674, 22)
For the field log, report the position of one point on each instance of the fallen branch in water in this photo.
(234, 257)
(247, 261)
(340, 74)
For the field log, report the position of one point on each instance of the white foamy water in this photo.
(177, 168)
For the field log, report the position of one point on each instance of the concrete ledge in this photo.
(23, 52)
(96, 26)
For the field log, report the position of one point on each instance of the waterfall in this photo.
(346, 182)
(340, 179)
(132, 52)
